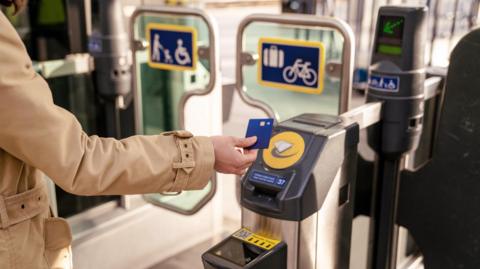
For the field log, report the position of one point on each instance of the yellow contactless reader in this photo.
(285, 150)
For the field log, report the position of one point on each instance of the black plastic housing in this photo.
(402, 112)
(330, 146)
(250, 255)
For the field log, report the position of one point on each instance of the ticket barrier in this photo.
(299, 203)
(297, 199)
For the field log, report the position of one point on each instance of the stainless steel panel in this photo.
(287, 231)
(300, 237)
(334, 230)
(307, 248)
(320, 241)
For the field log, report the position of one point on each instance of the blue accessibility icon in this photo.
(384, 83)
(291, 64)
(172, 47)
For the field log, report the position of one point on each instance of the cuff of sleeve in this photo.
(204, 163)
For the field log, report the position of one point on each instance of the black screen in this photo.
(238, 252)
(390, 35)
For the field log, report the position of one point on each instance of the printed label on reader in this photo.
(255, 239)
(269, 179)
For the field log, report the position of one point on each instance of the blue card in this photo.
(262, 129)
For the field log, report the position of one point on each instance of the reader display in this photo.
(276, 182)
(390, 35)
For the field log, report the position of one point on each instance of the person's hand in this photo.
(230, 157)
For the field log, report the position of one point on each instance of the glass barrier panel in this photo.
(162, 88)
(288, 103)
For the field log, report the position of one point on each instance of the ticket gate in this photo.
(298, 195)
(297, 203)
(276, 193)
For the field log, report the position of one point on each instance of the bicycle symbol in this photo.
(300, 70)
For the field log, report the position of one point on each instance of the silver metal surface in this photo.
(287, 231)
(213, 57)
(432, 87)
(204, 52)
(333, 230)
(140, 44)
(248, 58)
(322, 240)
(365, 115)
(300, 20)
(73, 64)
(315, 242)
(334, 69)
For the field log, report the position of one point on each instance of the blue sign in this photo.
(384, 83)
(274, 180)
(291, 65)
(172, 47)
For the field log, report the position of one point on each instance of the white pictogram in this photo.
(168, 57)
(181, 54)
(273, 57)
(392, 85)
(157, 46)
(300, 70)
(282, 146)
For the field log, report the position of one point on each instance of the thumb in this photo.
(245, 142)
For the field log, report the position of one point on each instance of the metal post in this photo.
(110, 48)
(384, 228)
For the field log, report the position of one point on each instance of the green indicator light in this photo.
(387, 49)
(390, 26)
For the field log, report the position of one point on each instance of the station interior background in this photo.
(170, 244)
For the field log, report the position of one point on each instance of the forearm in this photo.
(47, 137)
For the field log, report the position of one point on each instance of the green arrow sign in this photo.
(390, 26)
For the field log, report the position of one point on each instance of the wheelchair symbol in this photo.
(181, 54)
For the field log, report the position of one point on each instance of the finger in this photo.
(250, 156)
(245, 142)
(239, 172)
(246, 166)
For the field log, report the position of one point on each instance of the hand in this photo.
(230, 157)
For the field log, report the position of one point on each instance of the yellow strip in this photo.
(255, 239)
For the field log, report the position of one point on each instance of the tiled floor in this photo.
(189, 259)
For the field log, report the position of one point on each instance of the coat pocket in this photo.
(58, 238)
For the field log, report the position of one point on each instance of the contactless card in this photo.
(262, 129)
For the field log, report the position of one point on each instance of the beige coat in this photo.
(36, 135)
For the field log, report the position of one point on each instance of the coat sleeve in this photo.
(49, 138)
